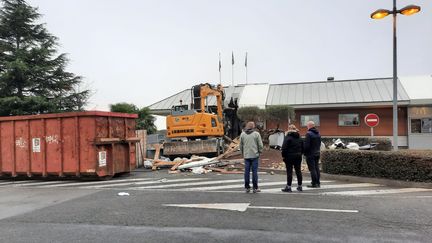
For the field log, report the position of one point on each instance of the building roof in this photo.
(418, 88)
(334, 93)
(344, 93)
(164, 106)
(254, 95)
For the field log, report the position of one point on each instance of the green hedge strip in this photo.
(407, 165)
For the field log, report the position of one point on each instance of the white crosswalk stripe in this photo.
(376, 192)
(190, 184)
(82, 183)
(212, 188)
(7, 183)
(42, 183)
(208, 184)
(324, 187)
(145, 183)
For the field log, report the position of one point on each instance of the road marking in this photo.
(209, 188)
(190, 184)
(14, 183)
(324, 187)
(98, 182)
(374, 192)
(242, 207)
(146, 183)
(39, 183)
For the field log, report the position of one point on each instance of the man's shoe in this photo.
(300, 188)
(247, 190)
(312, 186)
(256, 190)
(286, 189)
(318, 185)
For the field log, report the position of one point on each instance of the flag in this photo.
(220, 64)
(232, 58)
(246, 60)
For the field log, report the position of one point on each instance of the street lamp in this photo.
(379, 14)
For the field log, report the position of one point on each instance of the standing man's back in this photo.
(312, 145)
(251, 147)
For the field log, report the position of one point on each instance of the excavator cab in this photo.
(203, 120)
(202, 125)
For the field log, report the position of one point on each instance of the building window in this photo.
(305, 118)
(423, 125)
(347, 120)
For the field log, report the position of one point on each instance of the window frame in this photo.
(316, 123)
(341, 114)
(421, 123)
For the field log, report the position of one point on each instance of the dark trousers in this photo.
(295, 162)
(251, 163)
(312, 162)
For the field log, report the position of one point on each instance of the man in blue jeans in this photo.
(312, 145)
(251, 147)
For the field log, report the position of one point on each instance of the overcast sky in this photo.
(141, 51)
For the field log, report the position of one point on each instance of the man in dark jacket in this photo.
(292, 149)
(312, 145)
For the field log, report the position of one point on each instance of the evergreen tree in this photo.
(33, 79)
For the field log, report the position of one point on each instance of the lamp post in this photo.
(379, 14)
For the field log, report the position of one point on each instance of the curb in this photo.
(386, 182)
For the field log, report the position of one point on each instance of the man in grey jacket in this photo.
(251, 146)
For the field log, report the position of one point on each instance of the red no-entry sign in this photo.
(372, 120)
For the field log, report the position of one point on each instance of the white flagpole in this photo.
(246, 68)
(232, 68)
(220, 67)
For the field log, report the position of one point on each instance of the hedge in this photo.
(407, 165)
(384, 143)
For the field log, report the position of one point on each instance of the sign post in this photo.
(371, 120)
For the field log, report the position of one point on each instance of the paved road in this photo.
(210, 208)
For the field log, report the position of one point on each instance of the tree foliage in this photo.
(33, 79)
(145, 119)
(280, 113)
(277, 113)
(251, 113)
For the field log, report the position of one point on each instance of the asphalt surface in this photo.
(57, 212)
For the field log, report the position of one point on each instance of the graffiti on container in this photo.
(20, 142)
(52, 139)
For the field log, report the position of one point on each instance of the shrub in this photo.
(408, 165)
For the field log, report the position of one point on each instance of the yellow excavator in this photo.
(198, 128)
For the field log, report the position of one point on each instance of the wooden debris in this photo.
(157, 153)
(162, 163)
(180, 162)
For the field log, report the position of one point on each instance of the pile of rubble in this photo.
(200, 165)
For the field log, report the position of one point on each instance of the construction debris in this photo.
(201, 165)
(148, 164)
